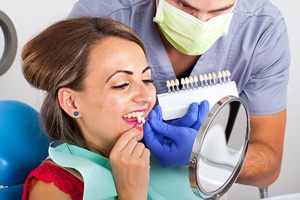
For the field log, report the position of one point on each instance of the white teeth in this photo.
(138, 115)
(141, 119)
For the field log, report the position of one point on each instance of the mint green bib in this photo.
(95, 170)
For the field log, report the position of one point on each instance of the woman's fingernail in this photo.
(139, 128)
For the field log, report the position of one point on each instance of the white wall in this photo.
(32, 16)
(289, 179)
(29, 18)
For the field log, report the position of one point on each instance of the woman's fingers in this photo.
(127, 138)
(130, 161)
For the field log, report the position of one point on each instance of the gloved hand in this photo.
(172, 144)
(194, 117)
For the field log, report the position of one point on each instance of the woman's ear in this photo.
(67, 101)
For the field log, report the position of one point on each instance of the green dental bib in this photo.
(95, 170)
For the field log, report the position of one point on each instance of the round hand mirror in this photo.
(220, 148)
(8, 30)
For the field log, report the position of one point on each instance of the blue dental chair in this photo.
(23, 145)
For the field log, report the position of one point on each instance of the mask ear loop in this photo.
(156, 3)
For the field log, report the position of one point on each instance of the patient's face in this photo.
(117, 85)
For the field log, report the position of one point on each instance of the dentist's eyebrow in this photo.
(119, 71)
(184, 3)
(222, 8)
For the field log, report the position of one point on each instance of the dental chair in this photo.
(23, 145)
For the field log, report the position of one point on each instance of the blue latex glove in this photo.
(172, 144)
(194, 117)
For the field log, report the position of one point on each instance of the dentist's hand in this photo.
(194, 117)
(172, 143)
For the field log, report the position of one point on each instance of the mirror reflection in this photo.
(220, 148)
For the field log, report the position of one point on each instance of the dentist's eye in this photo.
(185, 7)
(181, 4)
(146, 82)
(122, 86)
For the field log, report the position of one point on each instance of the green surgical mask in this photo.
(188, 34)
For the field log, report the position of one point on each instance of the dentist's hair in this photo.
(58, 57)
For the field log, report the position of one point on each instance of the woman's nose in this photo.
(144, 93)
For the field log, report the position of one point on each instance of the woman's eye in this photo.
(122, 86)
(147, 81)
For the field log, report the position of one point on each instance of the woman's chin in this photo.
(140, 136)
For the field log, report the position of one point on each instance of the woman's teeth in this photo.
(141, 119)
(138, 115)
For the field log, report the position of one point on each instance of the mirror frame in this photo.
(195, 155)
(10, 43)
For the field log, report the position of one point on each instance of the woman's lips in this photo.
(136, 117)
(131, 121)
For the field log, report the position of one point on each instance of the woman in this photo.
(99, 92)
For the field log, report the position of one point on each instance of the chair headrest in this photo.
(23, 143)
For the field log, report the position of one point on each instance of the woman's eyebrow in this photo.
(147, 68)
(126, 72)
(119, 71)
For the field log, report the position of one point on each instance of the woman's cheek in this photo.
(114, 101)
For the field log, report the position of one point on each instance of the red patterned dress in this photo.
(62, 179)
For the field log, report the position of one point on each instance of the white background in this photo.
(31, 16)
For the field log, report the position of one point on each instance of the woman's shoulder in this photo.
(52, 176)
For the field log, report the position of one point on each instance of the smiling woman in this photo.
(99, 89)
(98, 93)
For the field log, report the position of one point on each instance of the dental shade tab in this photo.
(208, 87)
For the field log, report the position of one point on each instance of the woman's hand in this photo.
(130, 162)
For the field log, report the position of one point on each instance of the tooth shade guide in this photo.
(182, 81)
(192, 82)
(201, 78)
(228, 75)
(176, 104)
(205, 79)
(172, 83)
(143, 120)
(187, 81)
(168, 84)
(214, 77)
(177, 85)
(211, 86)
